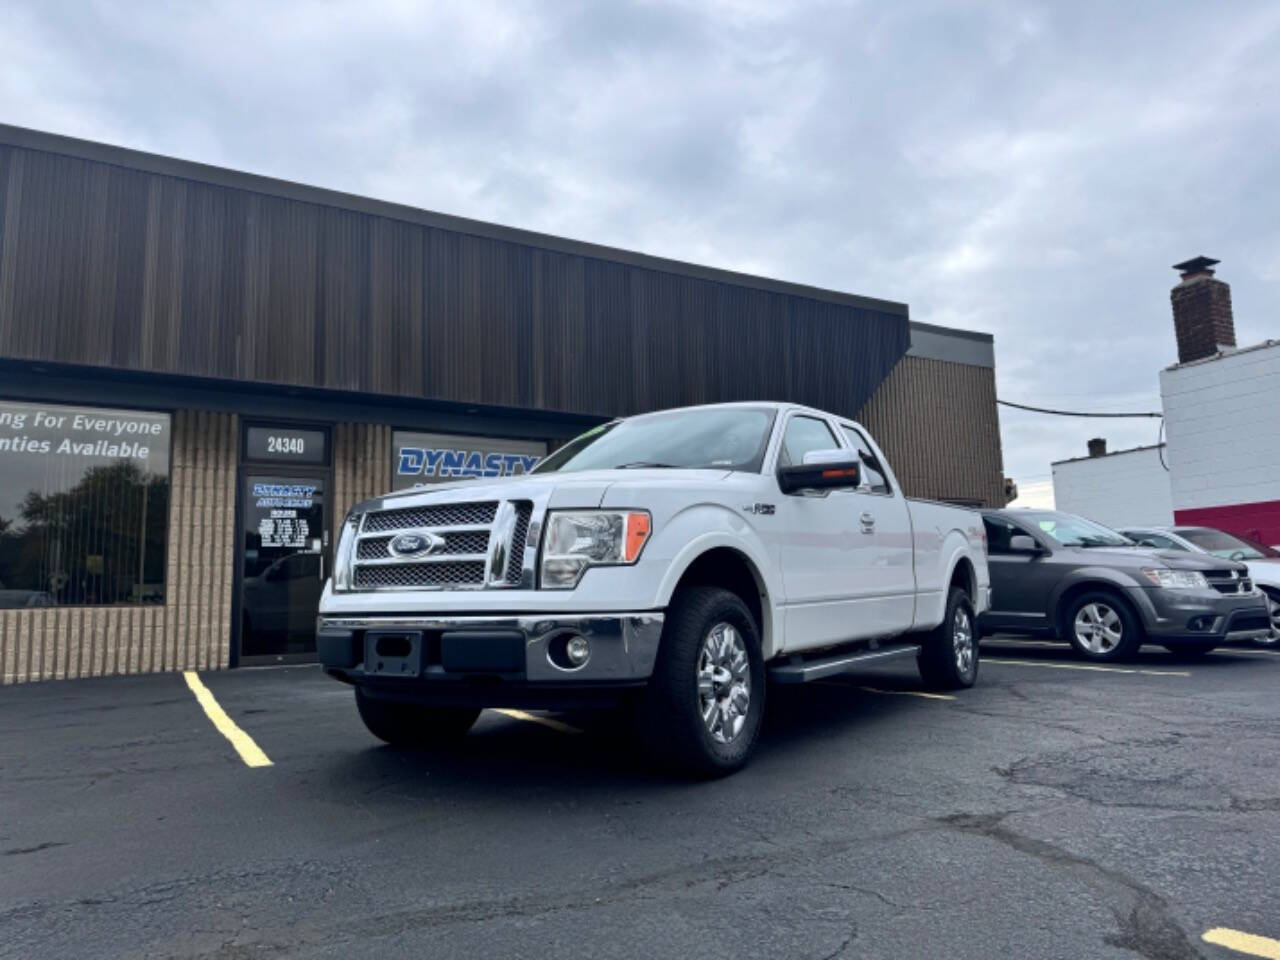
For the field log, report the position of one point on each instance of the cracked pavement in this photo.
(1046, 813)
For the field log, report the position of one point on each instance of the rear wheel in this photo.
(701, 709)
(413, 724)
(1102, 627)
(948, 658)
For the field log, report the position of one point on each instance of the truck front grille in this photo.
(444, 515)
(519, 537)
(472, 546)
(379, 548)
(444, 573)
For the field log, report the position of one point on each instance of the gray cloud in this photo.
(1025, 169)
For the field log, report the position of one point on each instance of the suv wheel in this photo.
(948, 658)
(1101, 626)
(701, 710)
(413, 724)
(1273, 607)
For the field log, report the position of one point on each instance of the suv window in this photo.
(805, 434)
(871, 468)
(1154, 540)
(999, 531)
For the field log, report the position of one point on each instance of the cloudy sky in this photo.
(1026, 169)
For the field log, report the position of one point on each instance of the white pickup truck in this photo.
(666, 564)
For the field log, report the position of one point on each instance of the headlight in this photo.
(578, 539)
(1178, 579)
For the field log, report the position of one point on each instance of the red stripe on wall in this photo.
(1257, 521)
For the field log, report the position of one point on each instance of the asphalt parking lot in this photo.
(1049, 812)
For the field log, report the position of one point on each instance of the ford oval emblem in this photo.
(415, 544)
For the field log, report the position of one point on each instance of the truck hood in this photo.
(579, 489)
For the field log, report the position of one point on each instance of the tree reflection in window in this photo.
(101, 541)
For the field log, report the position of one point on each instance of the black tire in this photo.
(1191, 651)
(413, 724)
(1108, 646)
(669, 719)
(948, 658)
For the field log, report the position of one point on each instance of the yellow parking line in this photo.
(249, 751)
(909, 693)
(534, 718)
(1250, 943)
(1085, 666)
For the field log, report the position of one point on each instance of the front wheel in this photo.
(413, 724)
(948, 658)
(1273, 609)
(701, 709)
(1101, 626)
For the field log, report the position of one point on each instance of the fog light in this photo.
(578, 650)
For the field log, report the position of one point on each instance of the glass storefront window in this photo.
(84, 505)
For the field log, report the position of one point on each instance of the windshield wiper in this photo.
(651, 464)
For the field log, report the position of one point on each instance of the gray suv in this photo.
(1056, 574)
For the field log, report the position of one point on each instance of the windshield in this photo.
(1072, 531)
(717, 438)
(1224, 544)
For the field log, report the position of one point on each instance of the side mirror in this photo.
(821, 470)
(1021, 543)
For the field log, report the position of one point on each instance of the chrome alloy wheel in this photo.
(724, 682)
(962, 641)
(1098, 628)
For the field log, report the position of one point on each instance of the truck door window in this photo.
(805, 434)
(871, 468)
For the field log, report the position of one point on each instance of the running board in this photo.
(802, 671)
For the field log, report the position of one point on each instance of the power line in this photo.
(1072, 413)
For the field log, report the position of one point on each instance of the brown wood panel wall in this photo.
(106, 265)
(192, 630)
(934, 421)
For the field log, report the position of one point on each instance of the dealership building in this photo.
(201, 370)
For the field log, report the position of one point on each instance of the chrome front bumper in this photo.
(393, 649)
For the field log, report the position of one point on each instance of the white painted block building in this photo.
(1124, 488)
(1222, 425)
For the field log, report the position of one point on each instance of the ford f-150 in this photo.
(667, 564)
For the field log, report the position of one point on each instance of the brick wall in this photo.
(1202, 318)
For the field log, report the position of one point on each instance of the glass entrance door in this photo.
(283, 545)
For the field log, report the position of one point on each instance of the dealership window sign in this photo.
(84, 495)
(426, 458)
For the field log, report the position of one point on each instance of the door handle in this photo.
(868, 523)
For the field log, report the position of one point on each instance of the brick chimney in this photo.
(1201, 311)
(1098, 447)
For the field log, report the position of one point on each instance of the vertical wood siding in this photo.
(111, 266)
(934, 421)
(192, 630)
